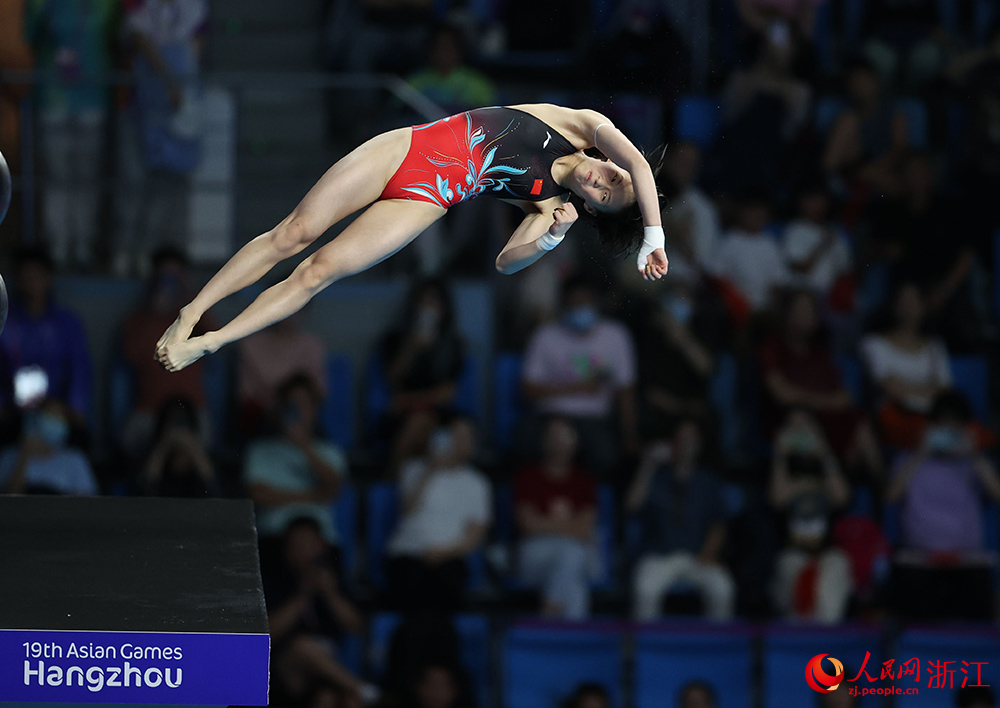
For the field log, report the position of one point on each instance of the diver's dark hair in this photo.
(621, 232)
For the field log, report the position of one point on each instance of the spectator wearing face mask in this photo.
(167, 289)
(696, 694)
(446, 506)
(43, 462)
(422, 357)
(583, 368)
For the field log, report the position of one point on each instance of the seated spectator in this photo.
(869, 140)
(764, 107)
(908, 367)
(817, 253)
(308, 616)
(696, 694)
(908, 230)
(941, 571)
(446, 512)
(813, 579)
(799, 372)
(423, 358)
(679, 504)
(556, 508)
(267, 359)
(749, 262)
(942, 485)
(448, 80)
(294, 474)
(582, 368)
(42, 333)
(44, 462)
(905, 40)
(675, 365)
(588, 695)
(691, 220)
(178, 464)
(167, 290)
(435, 685)
(975, 697)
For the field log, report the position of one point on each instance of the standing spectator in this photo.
(813, 579)
(44, 462)
(267, 359)
(799, 372)
(582, 368)
(167, 290)
(942, 487)
(911, 228)
(423, 358)
(749, 261)
(556, 508)
(588, 695)
(679, 504)
(763, 109)
(41, 334)
(696, 694)
(908, 367)
(691, 220)
(72, 42)
(978, 77)
(308, 616)
(166, 38)
(446, 512)
(178, 464)
(294, 474)
(817, 253)
(869, 140)
(675, 365)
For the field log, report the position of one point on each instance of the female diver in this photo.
(530, 155)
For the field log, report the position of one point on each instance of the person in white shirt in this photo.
(749, 258)
(817, 254)
(446, 511)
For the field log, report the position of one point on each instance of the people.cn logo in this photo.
(818, 679)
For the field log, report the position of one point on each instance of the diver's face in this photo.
(603, 185)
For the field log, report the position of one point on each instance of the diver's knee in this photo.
(292, 235)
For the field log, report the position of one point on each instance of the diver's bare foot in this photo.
(177, 355)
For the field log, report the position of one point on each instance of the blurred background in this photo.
(566, 487)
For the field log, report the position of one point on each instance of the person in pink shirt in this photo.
(583, 368)
(270, 357)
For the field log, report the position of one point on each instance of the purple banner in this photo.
(134, 667)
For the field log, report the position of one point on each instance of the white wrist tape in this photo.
(652, 238)
(547, 241)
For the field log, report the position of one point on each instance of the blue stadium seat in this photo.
(787, 650)
(697, 119)
(853, 376)
(666, 661)
(382, 513)
(473, 633)
(508, 404)
(941, 645)
(996, 280)
(971, 376)
(916, 120)
(351, 652)
(853, 20)
(337, 415)
(822, 37)
(121, 393)
(216, 380)
(345, 517)
(985, 17)
(541, 666)
(467, 391)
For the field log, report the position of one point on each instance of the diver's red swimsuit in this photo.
(504, 152)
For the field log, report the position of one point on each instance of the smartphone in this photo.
(31, 385)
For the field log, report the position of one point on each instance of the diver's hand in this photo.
(656, 265)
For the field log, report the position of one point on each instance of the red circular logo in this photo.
(818, 679)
